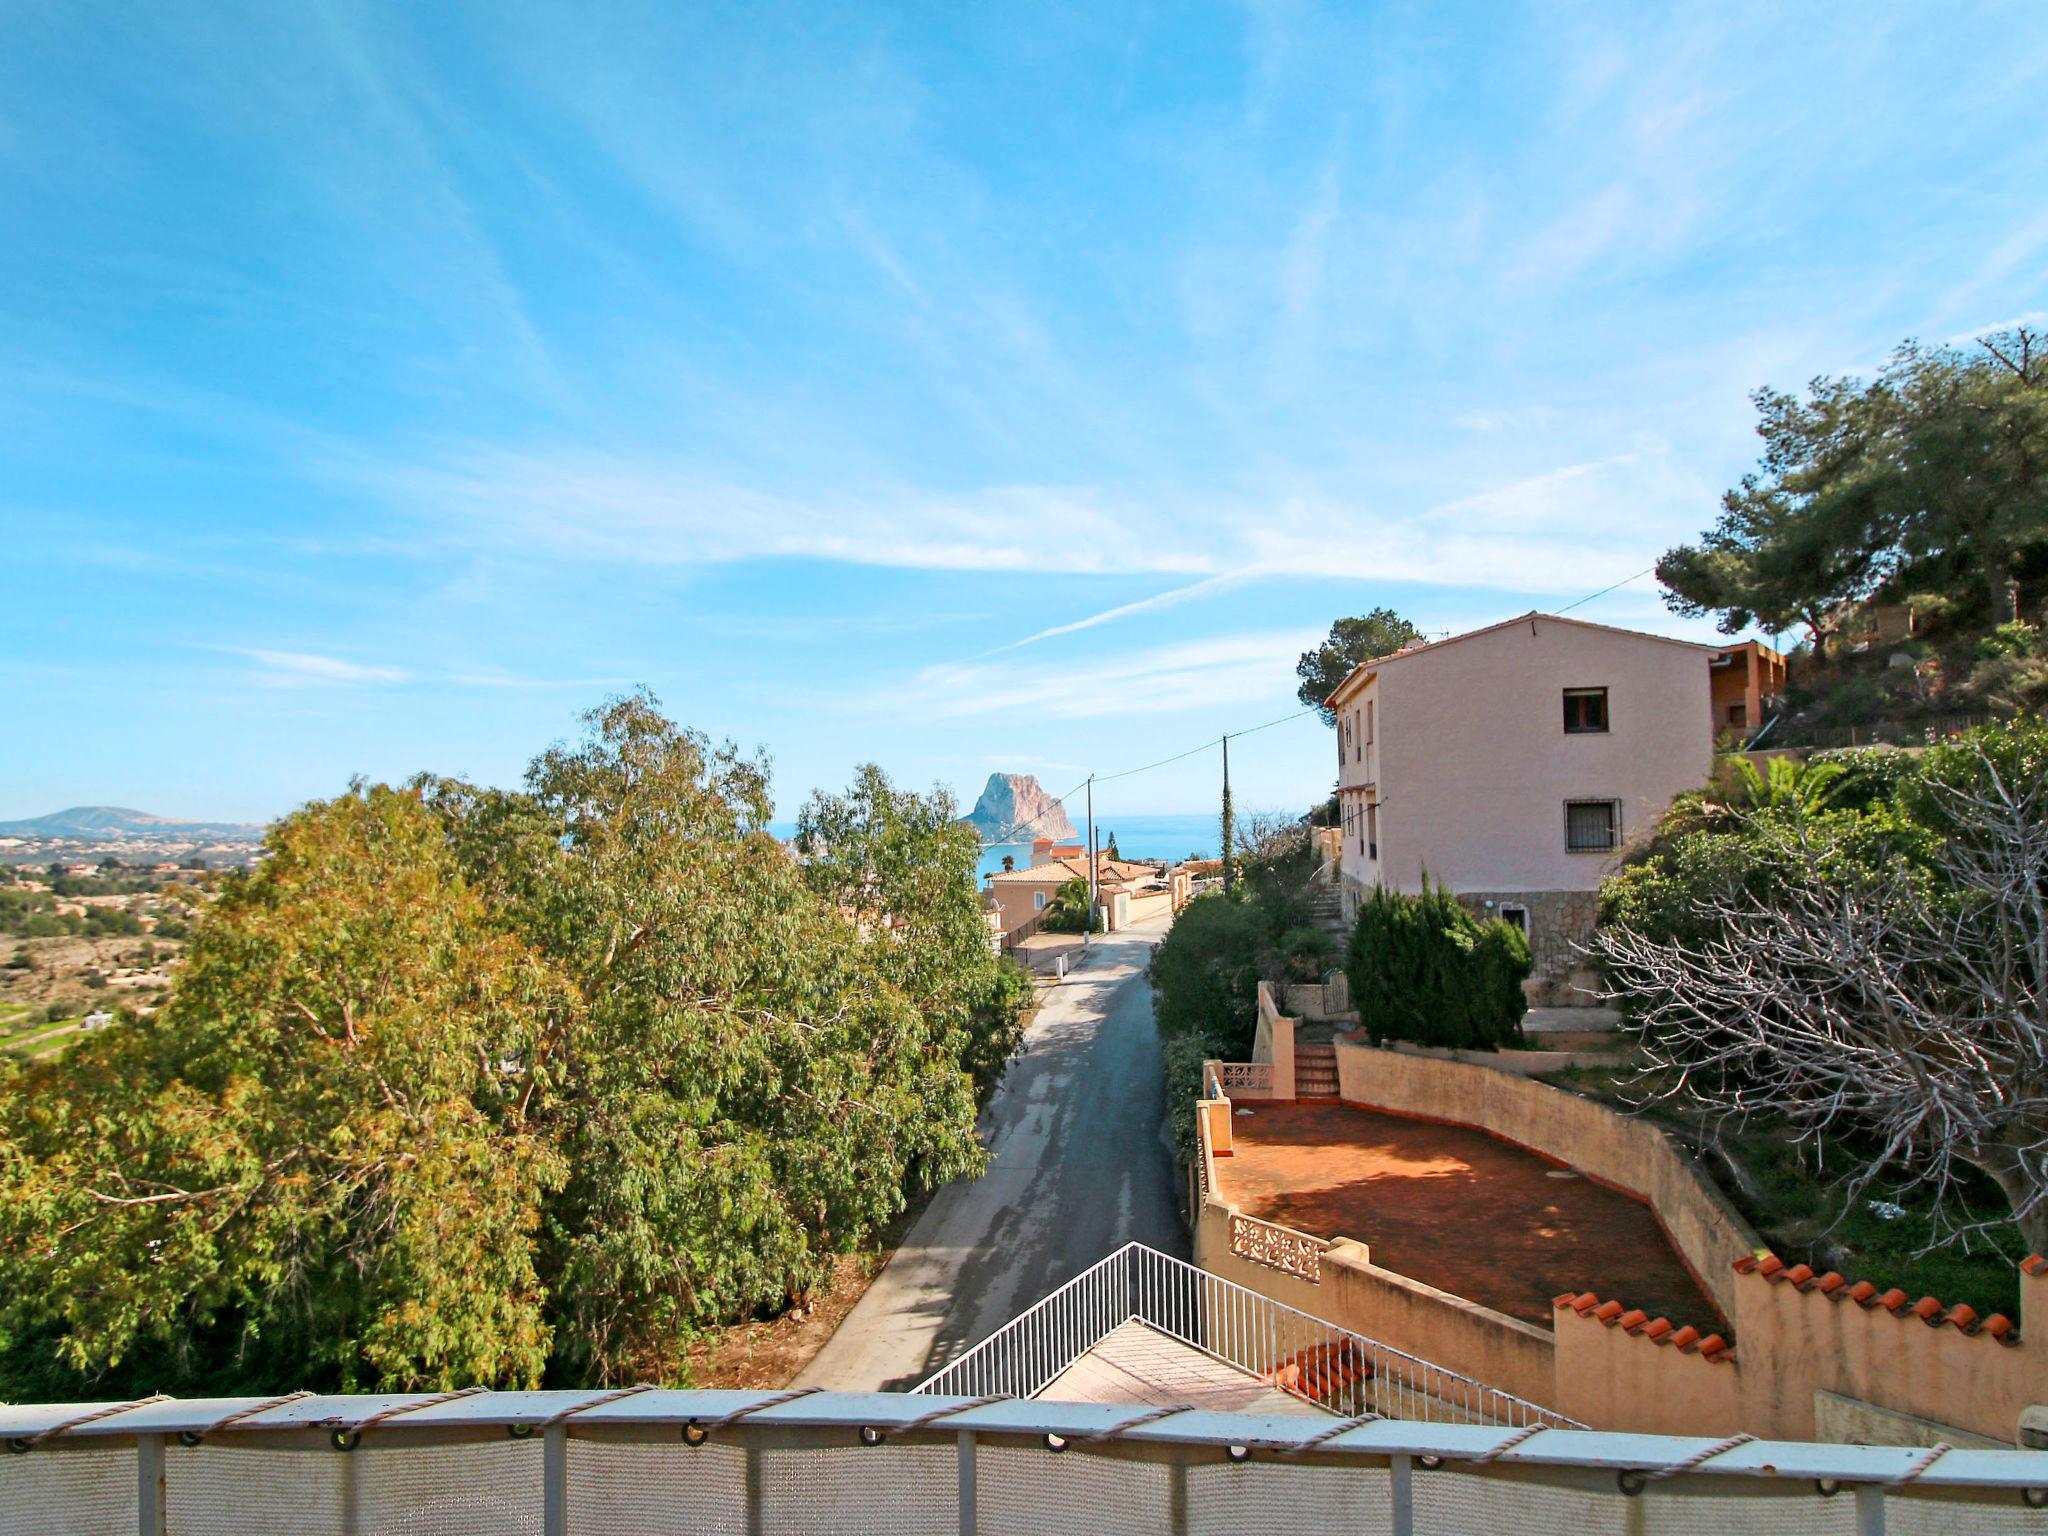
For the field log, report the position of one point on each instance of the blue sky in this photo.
(958, 387)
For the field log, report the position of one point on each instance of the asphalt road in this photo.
(1079, 1165)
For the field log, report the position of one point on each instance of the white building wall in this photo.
(1472, 765)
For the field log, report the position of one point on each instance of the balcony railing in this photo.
(1332, 1367)
(603, 1463)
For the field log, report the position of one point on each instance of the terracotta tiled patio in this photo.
(1456, 1209)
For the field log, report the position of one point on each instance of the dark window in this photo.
(1519, 916)
(1738, 715)
(1585, 710)
(1372, 831)
(1592, 826)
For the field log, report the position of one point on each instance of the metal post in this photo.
(1401, 1483)
(554, 1480)
(1229, 825)
(966, 1447)
(1091, 855)
(1870, 1509)
(149, 1485)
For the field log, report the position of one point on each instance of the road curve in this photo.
(1078, 1166)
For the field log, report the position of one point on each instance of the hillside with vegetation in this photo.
(1836, 976)
(1900, 525)
(471, 1086)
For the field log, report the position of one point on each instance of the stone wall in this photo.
(1559, 921)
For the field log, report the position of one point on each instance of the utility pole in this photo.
(1090, 931)
(1229, 818)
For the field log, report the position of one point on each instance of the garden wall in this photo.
(1353, 1292)
(1628, 1154)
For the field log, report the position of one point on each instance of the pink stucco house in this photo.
(1514, 762)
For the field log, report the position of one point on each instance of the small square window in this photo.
(1585, 711)
(1038, 901)
(1592, 826)
(1518, 917)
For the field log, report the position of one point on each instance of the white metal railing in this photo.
(578, 1463)
(1332, 1367)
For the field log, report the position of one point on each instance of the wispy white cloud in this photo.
(1543, 531)
(299, 669)
(302, 667)
(1207, 675)
(2031, 317)
(1207, 587)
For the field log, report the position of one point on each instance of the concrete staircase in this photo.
(1326, 910)
(1315, 1071)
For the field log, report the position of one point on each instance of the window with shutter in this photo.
(1592, 826)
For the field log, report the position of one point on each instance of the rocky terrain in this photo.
(1014, 808)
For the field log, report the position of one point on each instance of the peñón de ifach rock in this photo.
(1014, 808)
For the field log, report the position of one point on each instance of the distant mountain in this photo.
(1013, 808)
(113, 823)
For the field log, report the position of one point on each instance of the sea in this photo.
(1137, 837)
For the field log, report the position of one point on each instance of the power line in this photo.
(1125, 773)
(1646, 571)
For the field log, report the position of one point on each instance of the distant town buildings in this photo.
(1020, 896)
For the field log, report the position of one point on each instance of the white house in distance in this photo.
(1513, 762)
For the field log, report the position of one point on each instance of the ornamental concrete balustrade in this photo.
(706, 1463)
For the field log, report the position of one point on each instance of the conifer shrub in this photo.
(1423, 968)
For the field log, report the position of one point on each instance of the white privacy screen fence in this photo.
(704, 1463)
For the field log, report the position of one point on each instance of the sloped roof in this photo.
(1373, 664)
(1060, 871)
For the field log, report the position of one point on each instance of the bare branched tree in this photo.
(1880, 1000)
(1270, 837)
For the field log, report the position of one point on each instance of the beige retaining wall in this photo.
(1814, 1356)
(1631, 1155)
(1799, 1339)
(1353, 1292)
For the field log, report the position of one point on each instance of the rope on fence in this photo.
(1934, 1454)
(593, 1402)
(29, 1442)
(696, 1432)
(925, 1419)
(1700, 1458)
(1344, 1427)
(1495, 1452)
(1130, 1424)
(347, 1437)
(193, 1437)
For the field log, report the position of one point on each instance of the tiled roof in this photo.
(1062, 870)
(1895, 1301)
(1686, 1340)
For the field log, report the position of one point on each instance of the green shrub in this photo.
(1423, 968)
(1206, 974)
(1067, 912)
(1308, 951)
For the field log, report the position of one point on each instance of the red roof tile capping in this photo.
(1962, 1317)
(1687, 1340)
